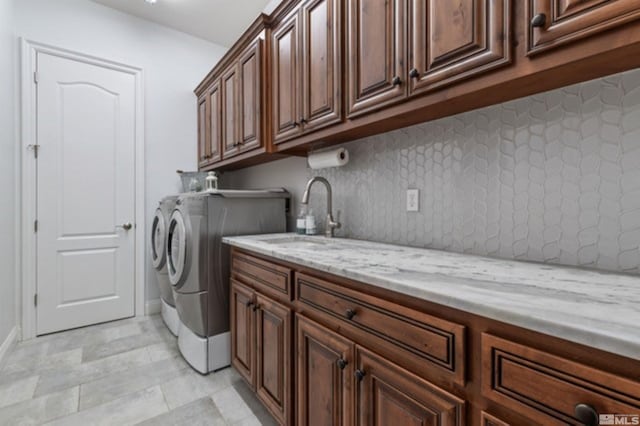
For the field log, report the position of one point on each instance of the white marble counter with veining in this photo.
(597, 309)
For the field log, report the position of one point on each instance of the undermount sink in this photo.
(298, 241)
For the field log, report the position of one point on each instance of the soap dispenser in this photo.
(310, 223)
(301, 222)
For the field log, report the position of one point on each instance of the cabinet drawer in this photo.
(265, 276)
(400, 330)
(547, 388)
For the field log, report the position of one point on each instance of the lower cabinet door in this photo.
(273, 380)
(243, 337)
(325, 365)
(389, 395)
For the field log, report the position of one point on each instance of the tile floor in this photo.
(119, 373)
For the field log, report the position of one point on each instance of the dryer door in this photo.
(158, 240)
(176, 249)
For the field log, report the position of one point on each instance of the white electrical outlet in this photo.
(413, 200)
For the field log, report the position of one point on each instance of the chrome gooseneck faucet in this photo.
(331, 224)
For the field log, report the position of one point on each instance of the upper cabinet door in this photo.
(376, 52)
(321, 68)
(553, 23)
(451, 41)
(285, 80)
(230, 116)
(251, 97)
(203, 131)
(215, 122)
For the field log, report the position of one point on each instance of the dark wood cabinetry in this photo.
(203, 131)
(231, 113)
(376, 54)
(321, 72)
(553, 23)
(368, 356)
(307, 69)
(261, 336)
(321, 23)
(250, 96)
(274, 343)
(285, 79)
(325, 366)
(548, 389)
(243, 335)
(452, 41)
(389, 395)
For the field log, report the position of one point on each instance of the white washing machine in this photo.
(198, 264)
(159, 228)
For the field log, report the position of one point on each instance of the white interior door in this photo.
(85, 193)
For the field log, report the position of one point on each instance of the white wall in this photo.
(289, 173)
(7, 169)
(173, 62)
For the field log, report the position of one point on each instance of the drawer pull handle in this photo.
(342, 364)
(360, 375)
(539, 21)
(350, 313)
(586, 414)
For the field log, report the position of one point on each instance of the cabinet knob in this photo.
(342, 364)
(414, 73)
(248, 304)
(586, 414)
(296, 124)
(256, 307)
(350, 313)
(397, 81)
(303, 121)
(539, 21)
(360, 375)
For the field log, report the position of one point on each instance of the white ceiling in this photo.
(219, 21)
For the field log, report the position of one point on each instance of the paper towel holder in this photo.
(330, 158)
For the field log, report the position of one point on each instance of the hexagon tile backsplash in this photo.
(554, 177)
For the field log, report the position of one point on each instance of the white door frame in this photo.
(27, 194)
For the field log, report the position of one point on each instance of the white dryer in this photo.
(159, 228)
(198, 264)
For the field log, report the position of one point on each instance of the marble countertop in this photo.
(597, 309)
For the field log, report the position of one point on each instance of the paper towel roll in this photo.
(334, 158)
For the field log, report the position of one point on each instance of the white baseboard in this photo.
(7, 345)
(152, 307)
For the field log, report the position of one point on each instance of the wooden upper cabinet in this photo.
(321, 64)
(389, 395)
(230, 115)
(215, 123)
(285, 80)
(376, 52)
(557, 22)
(450, 41)
(273, 357)
(250, 84)
(203, 131)
(325, 366)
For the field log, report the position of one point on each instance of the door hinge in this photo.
(35, 77)
(35, 299)
(35, 225)
(35, 148)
